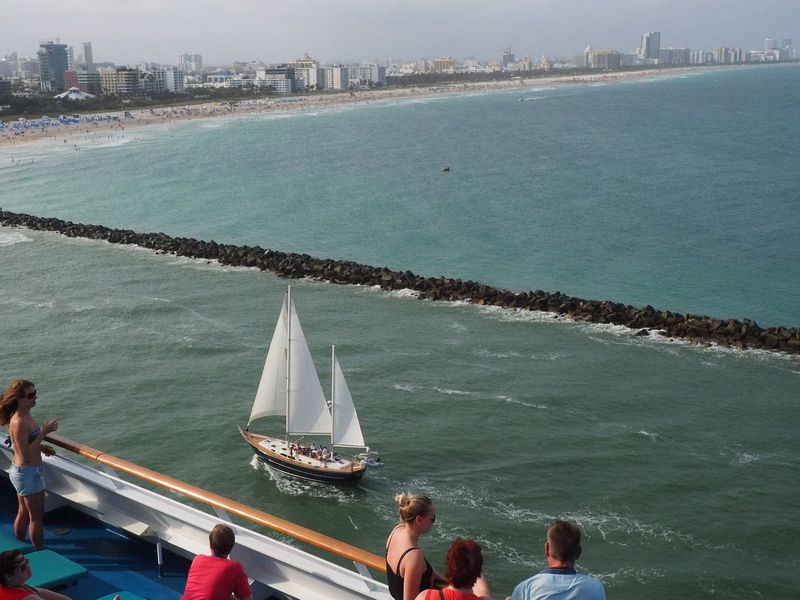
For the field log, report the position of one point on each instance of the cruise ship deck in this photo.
(115, 561)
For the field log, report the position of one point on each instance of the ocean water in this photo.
(679, 461)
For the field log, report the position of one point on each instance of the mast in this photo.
(288, 355)
(333, 391)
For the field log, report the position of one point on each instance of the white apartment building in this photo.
(335, 77)
(674, 56)
(154, 82)
(175, 80)
(306, 73)
(280, 79)
(366, 74)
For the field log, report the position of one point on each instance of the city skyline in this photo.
(351, 30)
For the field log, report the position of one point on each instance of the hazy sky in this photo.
(129, 31)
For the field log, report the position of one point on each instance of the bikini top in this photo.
(34, 434)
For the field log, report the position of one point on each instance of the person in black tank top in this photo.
(407, 570)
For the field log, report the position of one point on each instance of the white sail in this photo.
(307, 411)
(271, 395)
(346, 428)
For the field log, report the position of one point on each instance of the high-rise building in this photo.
(370, 73)
(8, 65)
(28, 68)
(508, 57)
(190, 63)
(154, 81)
(770, 44)
(90, 82)
(786, 49)
(336, 77)
(121, 81)
(307, 73)
(5, 89)
(674, 56)
(87, 59)
(605, 59)
(175, 80)
(697, 58)
(723, 56)
(651, 45)
(53, 62)
(444, 65)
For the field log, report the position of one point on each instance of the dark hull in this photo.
(341, 478)
(274, 455)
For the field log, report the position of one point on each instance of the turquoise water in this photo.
(680, 462)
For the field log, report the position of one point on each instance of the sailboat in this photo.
(290, 387)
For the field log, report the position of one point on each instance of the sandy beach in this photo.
(115, 124)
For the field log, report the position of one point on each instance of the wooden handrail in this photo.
(298, 532)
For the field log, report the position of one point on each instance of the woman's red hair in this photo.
(464, 563)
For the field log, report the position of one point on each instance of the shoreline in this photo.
(115, 122)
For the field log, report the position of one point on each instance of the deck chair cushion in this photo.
(9, 542)
(51, 570)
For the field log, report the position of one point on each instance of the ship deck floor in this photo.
(114, 560)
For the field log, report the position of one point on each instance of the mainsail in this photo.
(346, 428)
(308, 411)
(289, 383)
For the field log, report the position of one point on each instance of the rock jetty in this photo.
(744, 334)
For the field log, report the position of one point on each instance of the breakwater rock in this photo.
(701, 329)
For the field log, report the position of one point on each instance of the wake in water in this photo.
(9, 239)
(295, 486)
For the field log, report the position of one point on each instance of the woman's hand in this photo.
(50, 426)
(48, 450)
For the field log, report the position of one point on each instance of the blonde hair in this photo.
(413, 506)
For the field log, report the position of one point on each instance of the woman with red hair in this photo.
(464, 574)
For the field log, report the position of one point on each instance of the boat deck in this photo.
(115, 561)
(279, 447)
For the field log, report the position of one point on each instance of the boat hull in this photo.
(345, 474)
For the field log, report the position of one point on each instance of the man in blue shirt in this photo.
(560, 581)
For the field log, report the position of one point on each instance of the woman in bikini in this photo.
(407, 571)
(26, 472)
(464, 568)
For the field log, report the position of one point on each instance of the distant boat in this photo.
(445, 169)
(290, 387)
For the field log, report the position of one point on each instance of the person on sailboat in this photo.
(464, 572)
(26, 471)
(407, 571)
